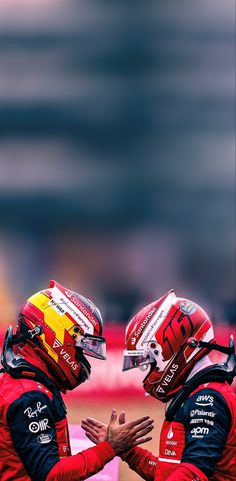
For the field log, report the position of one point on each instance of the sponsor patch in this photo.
(169, 452)
(205, 400)
(187, 308)
(167, 379)
(44, 438)
(201, 412)
(56, 344)
(152, 324)
(144, 322)
(209, 422)
(57, 307)
(196, 421)
(63, 353)
(81, 307)
(32, 413)
(37, 426)
(199, 432)
(202, 421)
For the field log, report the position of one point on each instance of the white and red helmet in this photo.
(159, 337)
(70, 329)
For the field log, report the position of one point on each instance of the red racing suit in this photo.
(199, 444)
(34, 442)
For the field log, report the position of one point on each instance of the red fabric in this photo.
(36, 356)
(72, 468)
(187, 472)
(142, 462)
(168, 467)
(226, 466)
(11, 389)
(82, 465)
(170, 452)
(29, 353)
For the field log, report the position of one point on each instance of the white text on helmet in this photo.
(144, 322)
(74, 311)
(67, 358)
(156, 321)
(57, 307)
(65, 355)
(168, 378)
(81, 308)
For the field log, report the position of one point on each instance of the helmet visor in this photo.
(94, 346)
(133, 359)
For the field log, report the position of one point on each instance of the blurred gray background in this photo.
(117, 152)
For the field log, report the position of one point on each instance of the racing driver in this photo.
(57, 328)
(172, 338)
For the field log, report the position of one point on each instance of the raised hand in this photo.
(95, 430)
(126, 435)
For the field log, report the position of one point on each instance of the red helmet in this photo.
(70, 326)
(159, 336)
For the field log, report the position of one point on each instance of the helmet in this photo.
(161, 337)
(70, 326)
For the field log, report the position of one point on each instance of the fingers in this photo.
(142, 441)
(122, 417)
(91, 438)
(87, 424)
(131, 424)
(89, 427)
(89, 430)
(113, 418)
(146, 424)
(144, 432)
(93, 422)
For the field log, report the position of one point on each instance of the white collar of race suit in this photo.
(201, 364)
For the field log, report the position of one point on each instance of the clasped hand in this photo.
(120, 434)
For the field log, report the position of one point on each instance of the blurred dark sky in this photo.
(117, 144)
